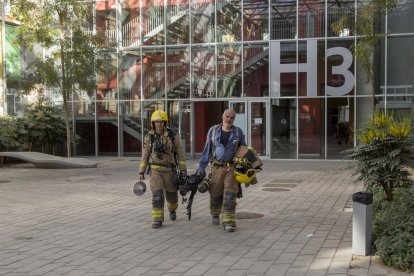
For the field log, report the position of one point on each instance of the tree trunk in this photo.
(64, 90)
(388, 192)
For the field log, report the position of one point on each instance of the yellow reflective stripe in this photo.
(172, 206)
(215, 211)
(157, 214)
(142, 165)
(157, 167)
(229, 218)
(181, 162)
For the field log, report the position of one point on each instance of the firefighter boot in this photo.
(173, 215)
(156, 224)
(215, 220)
(229, 227)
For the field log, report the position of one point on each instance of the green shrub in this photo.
(44, 124)
(393, 228)
(385, 153)
(12, 133)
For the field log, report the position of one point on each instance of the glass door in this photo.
(241, 115)
(258, 126)
(251, 117)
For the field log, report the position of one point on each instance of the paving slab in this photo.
(89, 222)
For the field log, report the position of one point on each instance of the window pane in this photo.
(400, 78)
(311, 129)
(132, 128)
(153, 77)
(400, 19)
(153, 22)
(256, 70)
(178, 22)
(203, 72)
(340, 10)
(340, 68)
(311, 59)
(130, 20)
(229, 70)
(255, 20)
(311, 19)
(228, 21)
(130, 82)
(284, 130)
(202, 21)
(178, 73)
(283, 19)
(339, 126)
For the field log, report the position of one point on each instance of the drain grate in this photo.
(248, 215)
(4, 181)
(82, 178)
(280, 185)
(275, 190)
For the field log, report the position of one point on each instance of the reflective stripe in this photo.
(172, 206)
(157, 214)
(215, 211)
(219, 164)
(229, 218)
(158, 167)
(182, 162)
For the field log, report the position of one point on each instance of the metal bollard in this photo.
(361, 223)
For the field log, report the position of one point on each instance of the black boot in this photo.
(156, 224)
(173, 215)
(229, 227)
(215, 220)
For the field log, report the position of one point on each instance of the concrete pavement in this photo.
(88, 222)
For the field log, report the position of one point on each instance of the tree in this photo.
(62, 27)
(366, 26)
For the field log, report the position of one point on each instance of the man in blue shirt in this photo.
(221, 146)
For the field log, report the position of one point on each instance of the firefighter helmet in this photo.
(246, 162)
(243, 173)
(139, 188)
(158, 116)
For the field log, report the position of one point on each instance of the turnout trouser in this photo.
(162, 188)
(223, 190)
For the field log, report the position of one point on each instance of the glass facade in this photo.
(296, 87)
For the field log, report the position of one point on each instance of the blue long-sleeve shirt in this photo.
(222, 153)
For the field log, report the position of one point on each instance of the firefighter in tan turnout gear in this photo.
(161, 155)
(222, 142)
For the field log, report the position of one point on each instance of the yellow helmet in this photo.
(159, 115)
(243, 173)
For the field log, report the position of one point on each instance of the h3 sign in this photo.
(310, 67)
